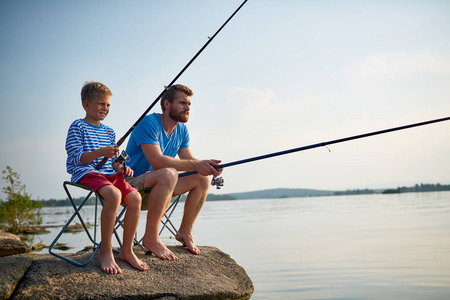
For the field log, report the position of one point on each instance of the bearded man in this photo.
(153, 147)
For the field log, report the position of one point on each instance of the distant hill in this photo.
(295, 193)
(281, 193)
(288, 193)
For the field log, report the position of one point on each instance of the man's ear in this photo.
(166, 103)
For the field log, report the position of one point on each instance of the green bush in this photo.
(17, 210)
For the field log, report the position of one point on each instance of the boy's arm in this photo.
(109, 152)
(74, 147)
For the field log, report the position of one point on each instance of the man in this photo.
(153, 146)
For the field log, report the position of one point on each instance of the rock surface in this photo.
(210, 275)
(13, 268)
(10, 244)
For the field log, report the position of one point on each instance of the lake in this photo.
(394, 246)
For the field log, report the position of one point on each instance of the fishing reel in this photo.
(121, 158)
(217, 182)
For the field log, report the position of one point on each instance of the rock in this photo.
(38, 247)
(34, 230)
(210, 275)
(13, 269)
(11, 244)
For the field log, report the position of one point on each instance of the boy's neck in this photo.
(92, 121)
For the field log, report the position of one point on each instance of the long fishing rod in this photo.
(323, 144)
(120, 142)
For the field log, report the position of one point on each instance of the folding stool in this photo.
(96, 245)
(165, 223)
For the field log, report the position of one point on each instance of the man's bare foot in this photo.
(159, 249)
(107, 263)
(132, 259)
(188, 240)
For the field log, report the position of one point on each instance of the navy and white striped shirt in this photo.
(83, 137)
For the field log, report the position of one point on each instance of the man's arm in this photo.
(186, 162)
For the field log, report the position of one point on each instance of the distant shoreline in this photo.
(288, 193)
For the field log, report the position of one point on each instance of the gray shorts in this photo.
(137, 182)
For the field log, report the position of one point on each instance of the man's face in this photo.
(180, 107)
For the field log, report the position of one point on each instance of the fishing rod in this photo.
(323, 144)
(123, 156)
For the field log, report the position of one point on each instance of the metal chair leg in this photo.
(96, 245)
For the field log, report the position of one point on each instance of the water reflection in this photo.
(346, 247)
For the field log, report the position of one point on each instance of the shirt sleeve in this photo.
(74, 146)
(146, 132)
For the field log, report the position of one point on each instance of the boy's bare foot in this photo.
(188, 240)
(133, 260)
(107, 263)
(159, 249)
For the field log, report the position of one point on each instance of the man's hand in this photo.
(206, 167)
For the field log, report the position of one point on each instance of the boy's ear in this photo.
(85, 104)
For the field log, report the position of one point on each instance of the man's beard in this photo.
(179, 117)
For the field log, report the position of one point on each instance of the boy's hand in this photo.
(110, 151)
(128, 171)
(120, 168)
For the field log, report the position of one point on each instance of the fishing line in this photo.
(120, 142)
(322, 144)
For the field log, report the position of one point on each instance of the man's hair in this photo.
(169, 94)
(91, 89)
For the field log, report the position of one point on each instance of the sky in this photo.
(280, 75)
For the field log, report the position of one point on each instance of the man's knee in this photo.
(204, 181)
(166, 176)
(169, 176)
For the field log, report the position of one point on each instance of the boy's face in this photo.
(97, 110)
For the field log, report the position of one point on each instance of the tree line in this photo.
(418, 188)
(19, 211)
(215, 197)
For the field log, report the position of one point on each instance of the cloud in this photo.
(384, 68)
(254, 105)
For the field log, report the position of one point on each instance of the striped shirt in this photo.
(83, 137)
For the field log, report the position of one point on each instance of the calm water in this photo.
(344, 247)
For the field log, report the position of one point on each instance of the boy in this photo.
(88, 141)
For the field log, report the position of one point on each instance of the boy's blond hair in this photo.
(91, 89)
(170, 93)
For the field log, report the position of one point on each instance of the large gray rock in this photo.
(10, 244)
(12, 268)
(210, 275)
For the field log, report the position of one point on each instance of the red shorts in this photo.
(96, 181)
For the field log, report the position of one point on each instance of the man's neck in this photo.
(168, 123)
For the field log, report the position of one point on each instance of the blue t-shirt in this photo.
(151, 131)
(83, 137)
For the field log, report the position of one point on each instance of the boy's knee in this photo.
(133, 200)
(110, 193)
